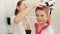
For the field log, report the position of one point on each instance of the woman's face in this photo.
(23, 5)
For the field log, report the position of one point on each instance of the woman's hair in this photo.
(18, 4)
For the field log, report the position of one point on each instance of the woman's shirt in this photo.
(17, 28)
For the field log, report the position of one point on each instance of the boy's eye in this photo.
(42, 15)
(37, 15)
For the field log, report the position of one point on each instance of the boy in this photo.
(42, 26)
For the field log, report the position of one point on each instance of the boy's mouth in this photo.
(39, 20)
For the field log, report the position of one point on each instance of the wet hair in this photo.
(18, 4)
(44, 8)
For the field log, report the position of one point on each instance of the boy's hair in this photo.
(44, 8)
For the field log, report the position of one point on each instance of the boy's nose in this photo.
(40, 17)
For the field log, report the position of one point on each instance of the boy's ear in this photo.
(49, 17)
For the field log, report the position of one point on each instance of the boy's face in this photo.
(41, 16)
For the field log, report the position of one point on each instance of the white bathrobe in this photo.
(45, 29)
(48, 30)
